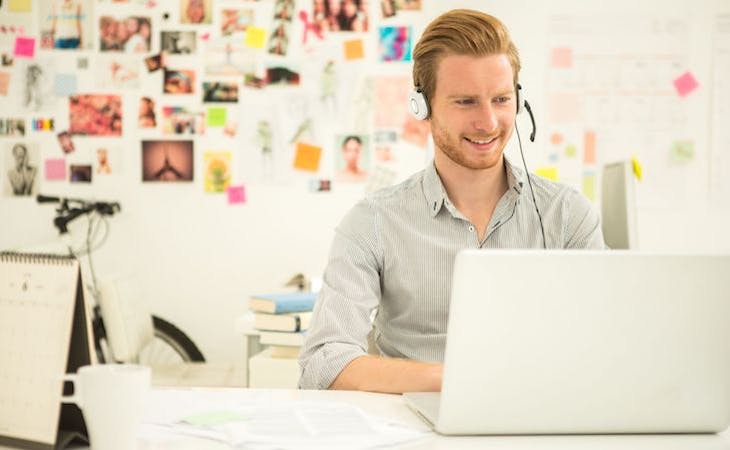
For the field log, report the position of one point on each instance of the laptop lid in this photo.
(546, 342)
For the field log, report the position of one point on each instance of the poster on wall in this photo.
(167, 160)
(66, 24)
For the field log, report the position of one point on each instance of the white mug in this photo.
(112, 398)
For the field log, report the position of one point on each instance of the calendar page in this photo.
(37, 299)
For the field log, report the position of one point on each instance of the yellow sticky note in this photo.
(589, 186)
(19, 6)
(307, 157)
(637, 167)
(216, 117)
(255, 37)
(354, 49)
(551, 173)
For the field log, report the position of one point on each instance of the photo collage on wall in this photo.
(219, 93)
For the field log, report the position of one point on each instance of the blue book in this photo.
(283, 303)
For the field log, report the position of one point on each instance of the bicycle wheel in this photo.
(170, 345)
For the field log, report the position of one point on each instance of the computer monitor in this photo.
(618, 206)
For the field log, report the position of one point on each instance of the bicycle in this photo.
(169, 344)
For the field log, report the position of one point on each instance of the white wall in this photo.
(198, 259)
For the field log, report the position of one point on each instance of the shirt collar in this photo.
(435, 193)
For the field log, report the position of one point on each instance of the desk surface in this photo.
(393, 407)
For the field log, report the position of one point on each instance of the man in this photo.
(23, 175)
(394, 251)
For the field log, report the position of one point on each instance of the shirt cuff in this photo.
(321, 369)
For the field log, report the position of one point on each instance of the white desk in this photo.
(393, 407)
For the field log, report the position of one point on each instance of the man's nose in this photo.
(486, 118)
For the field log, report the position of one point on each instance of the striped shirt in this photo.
(394, 252)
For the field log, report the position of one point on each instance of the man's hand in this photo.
(389, 375)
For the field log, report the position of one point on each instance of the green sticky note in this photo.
(682, 152)
(589, 186)
(571, 151)
(213, 418)
(255, 37)
(216, 117)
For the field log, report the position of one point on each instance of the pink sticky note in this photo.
(561, 57)
(25, 47)
(55, 169)
(685, 84)
(236, 194)
(205, 36)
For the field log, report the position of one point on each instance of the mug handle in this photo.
(74, 398)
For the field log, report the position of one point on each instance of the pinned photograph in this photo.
(352, 158)
(220, 91)
(279, 75)
(38, 79)
(341, 15)
(395, 43)
(408, 5)
(179, 120)
(229, 57)
(279, 38)
(167, 161)
(65, 24)
(7, 59)
(388, 8)
(178, 42)
(80, 173)
(12, 127)
(154, 62)
(95, 115)
(118, 72)
(196, 11)
(64, 140)
(103, 161)
(235, 20)
(146, 117)
(179, 81)
(217, 171)
(21, 164)
(130, 34)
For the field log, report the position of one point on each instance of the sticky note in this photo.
(589, 186)
(354, 49)
(307, 157)
(216, 117)
(589, 147)
(236, 194)
(570, 151)
(65, 84)
(55, 169)
(637, 167)
(682, 151)
(255, 37)
(19, 5)
(551, 173)
(561, 58)
(4, 82)
(205, 36)
(685, 84)
(214, 418)
(24, 47)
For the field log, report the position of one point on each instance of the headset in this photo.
(420, 110)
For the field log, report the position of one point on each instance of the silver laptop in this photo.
(579, 342)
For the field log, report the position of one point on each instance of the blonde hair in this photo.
(460, 32)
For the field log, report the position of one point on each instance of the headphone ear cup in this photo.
(518, 97)
(418, 105)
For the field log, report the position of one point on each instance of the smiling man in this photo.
(393, 253)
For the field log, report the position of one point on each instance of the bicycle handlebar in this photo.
(66, 214)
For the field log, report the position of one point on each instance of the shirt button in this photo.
(471, 228)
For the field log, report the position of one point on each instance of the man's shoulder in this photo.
(554, 190)
(404, 190)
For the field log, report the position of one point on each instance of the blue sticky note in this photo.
(65, 84)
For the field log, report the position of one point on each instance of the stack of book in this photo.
(282, 321)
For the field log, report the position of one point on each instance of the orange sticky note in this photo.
(589, 149)
(255, 37)
(4, 82)
(354, 49)
(307, 157)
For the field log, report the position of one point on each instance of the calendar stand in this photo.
(47, 292)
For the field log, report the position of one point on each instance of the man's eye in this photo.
(503, 99)
(465, 101)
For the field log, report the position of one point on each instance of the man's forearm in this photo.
(389, 375)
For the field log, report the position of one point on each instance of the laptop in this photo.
(584, 342)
